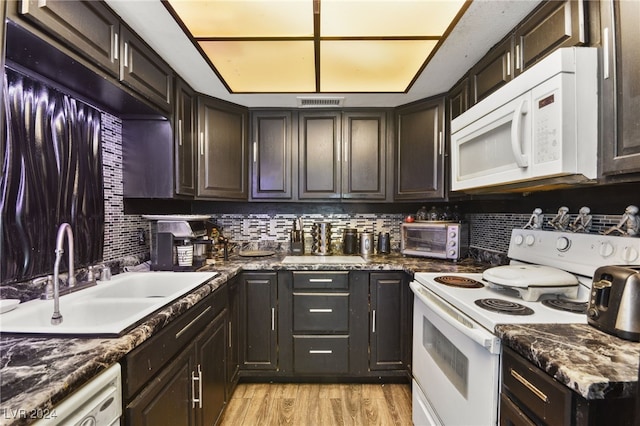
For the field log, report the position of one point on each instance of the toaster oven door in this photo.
(428, 241)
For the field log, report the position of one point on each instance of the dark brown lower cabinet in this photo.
(259, 348)
(389, 326)
(532, 397)
(179, 376)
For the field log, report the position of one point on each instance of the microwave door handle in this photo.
(516, 132)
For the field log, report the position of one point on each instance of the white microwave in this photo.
(540, 128)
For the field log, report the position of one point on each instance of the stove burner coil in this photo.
(566, 305)
(504, 307)
(456, 281)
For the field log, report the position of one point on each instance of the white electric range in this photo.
(456, 355)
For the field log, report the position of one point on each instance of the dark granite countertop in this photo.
(594, 364)
(36, 373)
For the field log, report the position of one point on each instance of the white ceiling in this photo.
(484, 24)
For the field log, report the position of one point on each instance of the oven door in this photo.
(456, 364)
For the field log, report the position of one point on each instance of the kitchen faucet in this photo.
(63, 230)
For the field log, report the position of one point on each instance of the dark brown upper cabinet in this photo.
(459, 98)
(142, 70)
(88, 27)
(319, 155)
(271, 168)
(222, 150)
(420, 146)
(185, 138)
(552, 26)
(364, 162)
(493, 71)
(620, 136)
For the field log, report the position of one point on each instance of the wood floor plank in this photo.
(314, 404)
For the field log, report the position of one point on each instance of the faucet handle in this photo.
(48, 288)
(105, 273)
(91, 276)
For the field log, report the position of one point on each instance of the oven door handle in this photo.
(457, 319)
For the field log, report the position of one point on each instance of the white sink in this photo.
(109, 308)
(324, 260)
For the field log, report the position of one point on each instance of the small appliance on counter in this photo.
(321, 234)
(437, 239)
(614, 304)
(178, 243)
(297, 237)
(384, 243)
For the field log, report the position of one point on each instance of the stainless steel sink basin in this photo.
(334, 260)
(110, 308)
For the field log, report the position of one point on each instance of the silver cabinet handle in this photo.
(273, 319)
(605, 53)
(321, 280)
(255, 152)
(537, 392)
(116, 47)
(508, 63)
(186, 327)
(180, 132)
(320, 351)
(373, 322)
(230, 330)
(126, 55)
(320, 310)
(440, 142)
(201, 143)
(195, 379)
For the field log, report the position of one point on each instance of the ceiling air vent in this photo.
(315, 102)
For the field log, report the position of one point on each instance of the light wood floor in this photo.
(319, 404)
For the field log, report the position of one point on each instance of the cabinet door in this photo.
(144, 71)
(459, 99)
(493, 71)
(319, 161)
(556, 24)
(222, 156)
(259, 310)
(233, 340)
(271, 161)
(620, 87)
(88, 27)
(419, 169)
(167, 400)
(364, 155)
(211, 350)
(184, 128)
(387, 321)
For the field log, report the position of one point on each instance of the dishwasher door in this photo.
(97, 403)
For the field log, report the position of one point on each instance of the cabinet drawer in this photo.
(321, 280)
(148, 359)
(327, 312)
(321, 354)
(548, 400)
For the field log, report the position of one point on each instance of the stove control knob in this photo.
(629, 254)
(606, 249)
(518, 239)
(530, 240)
(563, 244)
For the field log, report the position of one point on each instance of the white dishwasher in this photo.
(97, 403)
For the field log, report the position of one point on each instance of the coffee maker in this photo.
(178, 245)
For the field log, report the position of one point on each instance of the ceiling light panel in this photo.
(246, 18)
(387, 18)
(264, 66)
(371, 66)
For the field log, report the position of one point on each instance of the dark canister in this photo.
(384, 243)
(350, 241)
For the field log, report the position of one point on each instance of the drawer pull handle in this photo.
(181, 332)
(193, 390)
(320, 280)
(320, 351)
(320, 310)
(537, 392)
